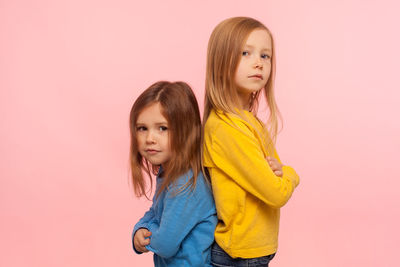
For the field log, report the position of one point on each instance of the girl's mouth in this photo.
(256, 76)
(152, 151)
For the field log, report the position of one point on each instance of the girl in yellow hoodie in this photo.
(249, 182)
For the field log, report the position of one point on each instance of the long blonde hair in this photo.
(180, 108)
(223, 57)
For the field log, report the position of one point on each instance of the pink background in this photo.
(70, 70)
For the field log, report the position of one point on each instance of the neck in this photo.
(244, 100)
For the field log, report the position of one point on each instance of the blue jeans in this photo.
(221, 259)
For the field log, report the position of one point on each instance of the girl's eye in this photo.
(265, 56)
(141, 128)
(163, 128)
(245, 53)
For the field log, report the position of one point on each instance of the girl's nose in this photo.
(150, 138)
(258, 64)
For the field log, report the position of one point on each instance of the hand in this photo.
(275, 166)
(140, 240)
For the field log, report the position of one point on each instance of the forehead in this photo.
(153, 113)
(259, 38)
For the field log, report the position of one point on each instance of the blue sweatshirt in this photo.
(182, 225)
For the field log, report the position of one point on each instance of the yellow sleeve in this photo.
(238, 153)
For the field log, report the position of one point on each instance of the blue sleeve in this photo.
(180, 215)
(144, 222)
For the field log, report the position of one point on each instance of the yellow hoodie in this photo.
(248, 195)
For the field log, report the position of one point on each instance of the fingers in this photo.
(144, 241)
(143, 233)
(141, 239)
(141, 245)
(275, 165)
(141, 248)
(146, 233)
(271, 160)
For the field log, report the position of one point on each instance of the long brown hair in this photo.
(180, 109)
(223, 57)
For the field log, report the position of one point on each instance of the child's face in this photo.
(255, 64)
(153, 135)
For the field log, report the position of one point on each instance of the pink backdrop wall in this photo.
(70, 70)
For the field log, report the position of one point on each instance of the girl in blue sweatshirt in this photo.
(165, 131)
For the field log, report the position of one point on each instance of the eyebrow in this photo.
(157, 123)
(264, 49)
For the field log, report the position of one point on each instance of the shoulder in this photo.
(187, 177)
(226, 128)
(221, 122)
(182, 185)
(184, 178)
